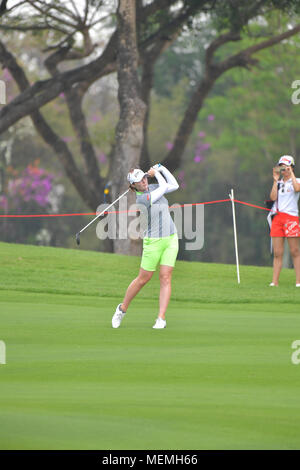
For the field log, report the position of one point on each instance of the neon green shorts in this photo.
(159, 250)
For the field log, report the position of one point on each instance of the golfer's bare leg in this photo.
(165, 278)
(278, 248)
(135, 287)
(295, 253)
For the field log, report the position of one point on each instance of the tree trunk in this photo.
(146, 87)
(129, 132)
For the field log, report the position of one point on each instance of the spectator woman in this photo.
(285, 221)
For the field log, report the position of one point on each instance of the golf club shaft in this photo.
(99, 215)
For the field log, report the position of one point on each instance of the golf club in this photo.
(97, 217)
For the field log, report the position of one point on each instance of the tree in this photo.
(3, 7)
(159, 23)
(254, 124)
(129, 131)
(67, 23)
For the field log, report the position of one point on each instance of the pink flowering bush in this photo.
(29, 188)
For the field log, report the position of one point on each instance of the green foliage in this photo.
(235, 15)
(255, 123)
(165, 117)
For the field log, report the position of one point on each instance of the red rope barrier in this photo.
(251, 205)
(120, 212)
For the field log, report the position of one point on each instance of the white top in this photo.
(287, 200)
(168, 184)
(159, 221)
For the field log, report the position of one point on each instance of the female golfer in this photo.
(285, 223)
(160, 243)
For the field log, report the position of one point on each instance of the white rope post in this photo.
(231, 195)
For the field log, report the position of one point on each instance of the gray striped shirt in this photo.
(160, 223)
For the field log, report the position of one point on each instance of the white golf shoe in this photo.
(160, 323)
(118, 317)
(297, 285)
(273, 285)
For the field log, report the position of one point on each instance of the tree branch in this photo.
(46, 132)
(66, 53)
(212, 72)
(3, 8)
(173, 158)
(86, 11)
(217, 43)
(74, 101)
(163, 38)
(49, 15)
(244, 57)
(42, 92)
(35, 27)
(74, 96)
(75, 9)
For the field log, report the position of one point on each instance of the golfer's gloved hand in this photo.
(157, 166)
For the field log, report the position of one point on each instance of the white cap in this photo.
(135, 176)
(286, 160)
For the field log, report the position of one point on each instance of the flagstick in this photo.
(231, 195)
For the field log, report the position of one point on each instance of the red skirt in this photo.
(285, 225)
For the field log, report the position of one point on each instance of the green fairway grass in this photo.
(220, 376)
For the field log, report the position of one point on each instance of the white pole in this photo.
(231, 195)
